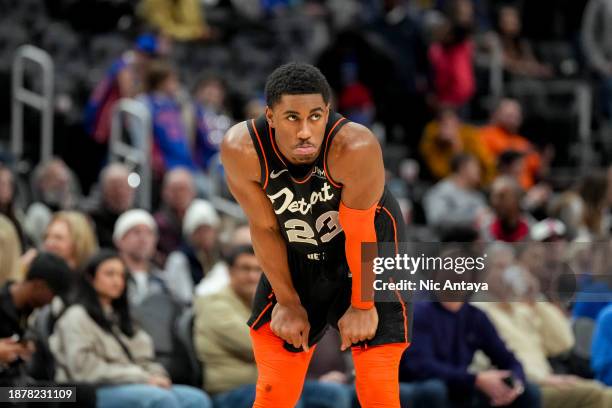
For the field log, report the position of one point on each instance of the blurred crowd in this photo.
(148, 306)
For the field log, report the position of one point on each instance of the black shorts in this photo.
(324, 287)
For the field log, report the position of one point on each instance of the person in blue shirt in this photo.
(445, 337)
(601, 353)
(122, 80)
(212, 119)
(171, 147)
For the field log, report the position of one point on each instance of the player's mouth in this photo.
(305, 150)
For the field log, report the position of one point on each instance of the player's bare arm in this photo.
(355, 160)
(242, 169)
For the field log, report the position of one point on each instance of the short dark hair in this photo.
(296, 78)
(459, 160)
(235, 253)
(52, 270)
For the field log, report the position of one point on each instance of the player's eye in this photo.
(292, 118)
(315, 116)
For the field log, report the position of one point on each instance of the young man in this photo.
(312, 185)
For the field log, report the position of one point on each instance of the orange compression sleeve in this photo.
(358, 226)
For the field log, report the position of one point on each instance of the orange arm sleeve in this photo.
(358, 226)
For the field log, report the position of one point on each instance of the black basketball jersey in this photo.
(306, 207)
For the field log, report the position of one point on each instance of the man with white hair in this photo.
(196, 263)
(178, 191)
(117, 196)
(135, 236)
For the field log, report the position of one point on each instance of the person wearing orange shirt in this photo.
(446, 137)
(502, 135)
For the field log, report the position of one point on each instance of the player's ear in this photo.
(270, 116)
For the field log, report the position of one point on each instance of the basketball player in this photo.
(312, 185)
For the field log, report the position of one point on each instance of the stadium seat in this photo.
(184, 334)
(580, 358)
(158, 315)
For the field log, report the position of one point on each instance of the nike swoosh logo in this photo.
(274, 175)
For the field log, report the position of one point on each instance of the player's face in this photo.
(299, 124)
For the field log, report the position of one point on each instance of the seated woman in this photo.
(96, 341)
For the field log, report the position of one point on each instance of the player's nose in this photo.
(305, 132)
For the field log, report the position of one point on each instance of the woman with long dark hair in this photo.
(96, 341)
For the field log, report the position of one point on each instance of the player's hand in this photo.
(290, 323)
(357, 325)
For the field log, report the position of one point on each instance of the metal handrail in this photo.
(138, 153)
(42, 102)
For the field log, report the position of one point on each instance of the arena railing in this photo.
(42, 102)
(135, 149)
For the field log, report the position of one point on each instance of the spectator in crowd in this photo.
(601, 356)
(96, 341)
(197, 261)
(593, 190)
(355, 100)
(584, 209)
(212, 118)
(447, 137)
(451, 56)
(536, 331)
(432, 356)
(502, 135)
(117, 196)
(597, 45)
(47, 276)
(181, 20)
(509, 224)
(170, 136)
(518, 57)
(594, 291)
(135, 236)
(178, 191)
(511, 163)
(10, 252)
(54, 188)
(224, 346)
(71, 237)
(455, 201)
(568, 208)
(545, 256)
(124, 79)
(7, 201)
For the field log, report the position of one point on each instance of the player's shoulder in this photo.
(354, 137)
(237, 138)
(237, 147)
(353, 144)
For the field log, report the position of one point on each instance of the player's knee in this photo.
(276, 394)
